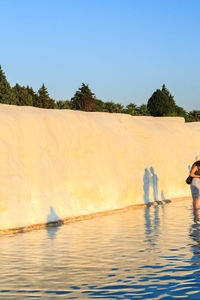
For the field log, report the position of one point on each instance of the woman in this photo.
(195, 185)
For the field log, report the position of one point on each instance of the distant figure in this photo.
(195, 185)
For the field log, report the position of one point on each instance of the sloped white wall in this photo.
(61, 163)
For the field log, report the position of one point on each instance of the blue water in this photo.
(151, 253)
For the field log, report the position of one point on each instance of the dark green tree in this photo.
(100, 105)
(35, 97)
(22, 95)
(169, 95)
(7, 95)
(84, 99)
(112, 107)
(166, 91)
(109, 107)
(194, 116)
(143, 110)
(119, 108)
(131, 109)
(180, 112)
(44, 99)
(160, 104)
(63, 104)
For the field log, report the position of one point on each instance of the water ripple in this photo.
(151, 253)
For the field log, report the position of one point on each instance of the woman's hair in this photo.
(197, 163)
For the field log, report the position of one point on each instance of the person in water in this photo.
(195, 185)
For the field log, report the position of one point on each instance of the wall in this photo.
(61, 163)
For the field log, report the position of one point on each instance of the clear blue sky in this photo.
(124, 49)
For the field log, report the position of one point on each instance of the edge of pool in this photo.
(89, 216)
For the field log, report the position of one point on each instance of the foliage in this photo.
(84, 99)
(160, 104)
(170, 97)
(181, 112)
(63, 104)
(194, 116)
(22, 95)
(7, 95)
(131, 109)
(143, 110)
(35, 97)
(44, 100)
(100, 105)
(112, 107)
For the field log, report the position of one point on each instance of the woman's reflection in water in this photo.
(196, 213)
(195, 235)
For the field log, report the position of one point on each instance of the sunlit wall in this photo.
(61, 163)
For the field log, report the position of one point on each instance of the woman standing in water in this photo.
(195, 185)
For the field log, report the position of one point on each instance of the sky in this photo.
(123, 49)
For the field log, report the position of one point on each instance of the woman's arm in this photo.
(192, 172)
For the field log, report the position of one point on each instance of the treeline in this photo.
(161, 103)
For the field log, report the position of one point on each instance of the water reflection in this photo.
(137, 254)
(195, 246)
(196, 214)
(152, 224)
(52, 231)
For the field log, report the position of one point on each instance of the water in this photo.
(151, 253)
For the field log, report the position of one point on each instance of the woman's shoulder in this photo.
(194, 165)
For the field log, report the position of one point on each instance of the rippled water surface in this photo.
(151, 253)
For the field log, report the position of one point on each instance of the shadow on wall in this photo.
(146, 185)
(53, 221)
(154, 178)
(52, 216)
(163, 196)
(150, 179)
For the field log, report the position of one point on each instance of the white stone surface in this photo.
(62, 163)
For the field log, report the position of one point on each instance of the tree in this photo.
(166, 91)
(194, 116)
(131, 109)
(84, 99)
(63, 104)
(100, 105)
(143, 110)
(169, 95)
(109, 107)
(119, 108)
(160, 104)
(112, 107)
(7, 95)
(35, 97)
(44, 100)
(180, 112)
(22, 95)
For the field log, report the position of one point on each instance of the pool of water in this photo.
(151, 253)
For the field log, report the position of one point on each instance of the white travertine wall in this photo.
(62, 163)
